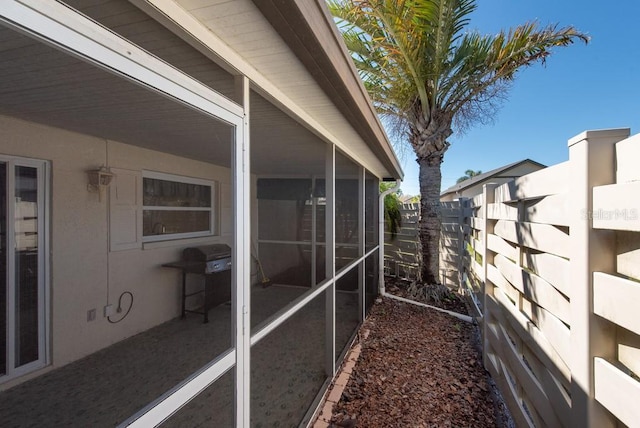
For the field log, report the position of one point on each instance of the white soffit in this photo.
(282, 78)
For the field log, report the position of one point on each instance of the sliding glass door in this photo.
(22, 266)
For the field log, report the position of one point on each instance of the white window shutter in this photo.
(125, 210)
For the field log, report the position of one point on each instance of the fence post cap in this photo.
(615, 133)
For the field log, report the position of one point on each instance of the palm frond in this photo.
(491, 59)
(418, 62)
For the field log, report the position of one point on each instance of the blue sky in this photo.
(581, 88)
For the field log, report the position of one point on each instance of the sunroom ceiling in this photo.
(42, 84)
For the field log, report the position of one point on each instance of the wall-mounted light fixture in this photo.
(99, 179)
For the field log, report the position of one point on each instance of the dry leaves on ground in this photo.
(418, 368)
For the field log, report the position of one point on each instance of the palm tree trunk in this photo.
(430, 177)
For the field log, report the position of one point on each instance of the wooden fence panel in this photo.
(501, 246)
(532, 337)
(532, 384)
(629, 349)
(555, 332)
(449, 241)
(617, 299)
(477, 201)
(476, 268)
(557, 396)
(537, 279)
(617, 207)
(627, 155)
(617, 391)
(505, 380)
(475, 291)
(476, 223)
(450, 228)
(553, 269)
(401, 251)
(628, 254)
(547, 181)
(552, 209)
(404, 245)
(543, 237)
(534, 288)
(500, 211)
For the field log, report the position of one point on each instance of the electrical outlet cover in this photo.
(108, 310)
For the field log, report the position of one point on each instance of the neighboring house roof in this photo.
(494, 173)
(406, 198)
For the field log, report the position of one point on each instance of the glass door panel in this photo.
(26, 292)
(22, 327)
(3, 269)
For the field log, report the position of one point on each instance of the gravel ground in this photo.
(419, 368)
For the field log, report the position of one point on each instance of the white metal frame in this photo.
(43, 205)
(213, 210)
(330, 260)
(291, 309)
(361, 243)
(314, 233)
(242, 253)
(169, 403)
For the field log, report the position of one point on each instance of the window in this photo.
(177, 207)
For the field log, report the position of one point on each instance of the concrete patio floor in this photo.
(107, 387)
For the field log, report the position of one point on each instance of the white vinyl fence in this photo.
(402, 251)
(552, 265)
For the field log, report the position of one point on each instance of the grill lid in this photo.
(206, 253)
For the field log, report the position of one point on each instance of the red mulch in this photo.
(418, 368)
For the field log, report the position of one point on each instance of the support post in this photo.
(242, 230)
(463, 204)
(314, 234)
(361, 243)
(330, 260)
(488, 197)
(592, 163)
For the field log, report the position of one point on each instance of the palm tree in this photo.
(426, 75)
(467, 175)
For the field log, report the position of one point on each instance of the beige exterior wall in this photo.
(476, 189)
(84, 273)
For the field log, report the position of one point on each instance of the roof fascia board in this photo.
(194, 32)
(349, 74)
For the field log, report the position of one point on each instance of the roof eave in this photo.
(308, 29)
(473, 182)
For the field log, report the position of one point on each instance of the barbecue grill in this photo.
(214, 263)
(208, 258)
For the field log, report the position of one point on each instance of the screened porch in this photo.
(109, 347)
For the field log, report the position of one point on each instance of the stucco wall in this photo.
(84, 273)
